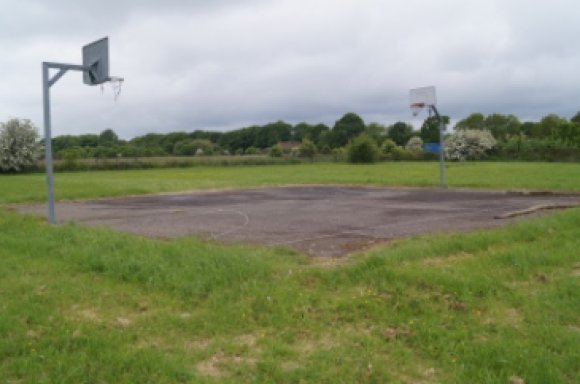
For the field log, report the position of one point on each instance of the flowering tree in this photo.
(19, 147)
(469, 145)
(415, 144)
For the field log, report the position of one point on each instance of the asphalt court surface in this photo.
(317, 220)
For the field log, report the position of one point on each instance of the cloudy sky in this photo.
(224, 64)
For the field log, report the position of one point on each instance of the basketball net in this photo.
(416, 108)
(116, 84)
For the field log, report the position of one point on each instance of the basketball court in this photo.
(324, 221)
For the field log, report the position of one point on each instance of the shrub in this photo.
(415, 144)
(388, 146)
(19, 147)
(338, 154)
(307, 149)
(469, 145)
(276, 151)
(400, 153)
(363, 149)
(251, 151)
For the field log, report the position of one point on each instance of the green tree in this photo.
(19, 147)
(346, 128)
(377, 132)
(400, 132)
(576, 118)
(548, 126)
(363, 149)
(430, 129)
(502, 126)
(473, 121)
(108, 137)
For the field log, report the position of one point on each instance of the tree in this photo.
(547, 126)
(473, 121)
(377, 132)
(346, 128)
(400, 132)
(108, 137)
(576, 118)
(502, 126)
(430, 129)
(19, 146)
(469, 144)
(363, 149)
(415, 144)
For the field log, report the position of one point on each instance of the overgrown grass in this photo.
(535, 176)
(92, 305)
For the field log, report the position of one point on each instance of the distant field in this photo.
(533, 176)
(91, 305)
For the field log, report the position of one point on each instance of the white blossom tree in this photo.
(415, 144)
(469, 145)
(19, 147)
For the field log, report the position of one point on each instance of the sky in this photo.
(225, 64)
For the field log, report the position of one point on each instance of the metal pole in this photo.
(441, 154)
(441, 148)
(48, 143)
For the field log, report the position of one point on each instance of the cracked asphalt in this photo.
(325, 221)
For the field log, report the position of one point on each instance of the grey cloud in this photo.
(225, 64)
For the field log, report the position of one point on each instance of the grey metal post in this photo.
(47, 82)
(441, 154)
(441, 148)
(48, 143)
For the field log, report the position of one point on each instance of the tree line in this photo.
(508, 130)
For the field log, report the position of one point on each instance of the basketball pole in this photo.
(48, 82)
(441, 147)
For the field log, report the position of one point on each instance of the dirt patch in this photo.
(323, 221)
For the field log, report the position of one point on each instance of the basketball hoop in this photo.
(416, 108)
(116, 84)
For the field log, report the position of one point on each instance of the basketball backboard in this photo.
(96, 58)
(423, 95)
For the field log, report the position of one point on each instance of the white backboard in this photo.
(422, 95)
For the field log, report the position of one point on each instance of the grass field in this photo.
(78, 185)
(80, 305)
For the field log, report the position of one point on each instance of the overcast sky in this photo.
(224, 64)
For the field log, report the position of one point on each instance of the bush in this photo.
(307, 149)
(363, 149)
(415, 144)
(400, 153)
(522, 148)
(338, 154)
(469, 145)
(388, 146)
(19, 147)
(276, 151)
(251, 151)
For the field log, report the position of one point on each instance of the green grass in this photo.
(85, 305)
(535, 176)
